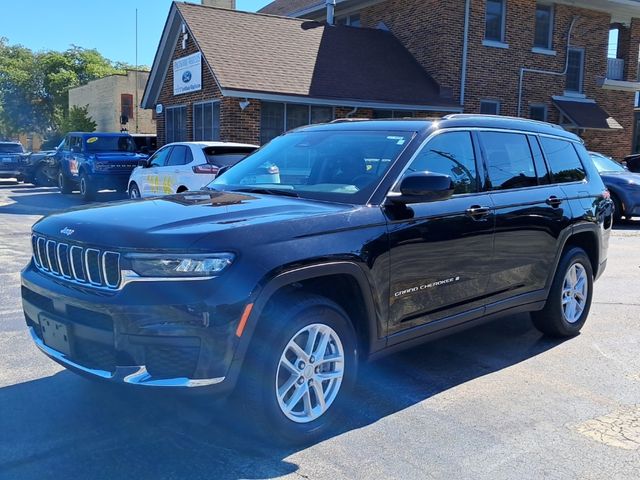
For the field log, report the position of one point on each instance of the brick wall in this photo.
(433, 32)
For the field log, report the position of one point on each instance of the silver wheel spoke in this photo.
(575, 293)
(307, 385)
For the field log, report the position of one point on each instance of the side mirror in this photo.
(421, 187)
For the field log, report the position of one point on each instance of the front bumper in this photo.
(11, 173)
(110, 181)
(148, 334)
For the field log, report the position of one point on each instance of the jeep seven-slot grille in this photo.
(90, 266)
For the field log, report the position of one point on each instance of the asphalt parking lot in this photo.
(496, 402)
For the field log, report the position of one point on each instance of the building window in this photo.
(350, 20)
(543, 37)
(495, 20)
(206, 121)
(277, 118)
(538, 112)
(175, 124)
(489, 107)
(126, 106)
(575, 70)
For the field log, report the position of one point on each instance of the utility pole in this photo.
(137, 68)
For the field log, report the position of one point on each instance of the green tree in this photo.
(34, 86)
(78, 120)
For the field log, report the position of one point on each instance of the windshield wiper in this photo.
(267, 191)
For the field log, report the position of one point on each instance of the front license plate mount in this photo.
(55, 335)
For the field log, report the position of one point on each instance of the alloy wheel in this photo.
(575, 290)
(310, 373)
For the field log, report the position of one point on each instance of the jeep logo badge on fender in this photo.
(67, 231)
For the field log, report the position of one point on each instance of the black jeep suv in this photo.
(331, 244)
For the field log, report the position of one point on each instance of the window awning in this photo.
(585, 114)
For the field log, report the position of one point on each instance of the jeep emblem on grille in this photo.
(67, 231)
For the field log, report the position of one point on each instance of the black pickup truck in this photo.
(374, 236)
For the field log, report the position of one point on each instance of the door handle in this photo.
(554, 201)
(478, 212)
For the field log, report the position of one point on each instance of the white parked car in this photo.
(183, 166)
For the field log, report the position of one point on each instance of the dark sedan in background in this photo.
(623, 184)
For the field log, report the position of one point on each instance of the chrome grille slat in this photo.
(83, 265)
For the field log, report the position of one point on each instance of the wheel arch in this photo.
(342, 282)
(585, 237)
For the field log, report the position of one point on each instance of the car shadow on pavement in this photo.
(44, 200)
(64, 426)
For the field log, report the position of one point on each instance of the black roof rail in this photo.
(454, 116)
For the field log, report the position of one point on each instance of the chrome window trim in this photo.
(73, 268)
(471, 129)
(59, 260)
(55, 272)
(88, 268)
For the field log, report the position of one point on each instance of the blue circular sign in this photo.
(186, 76)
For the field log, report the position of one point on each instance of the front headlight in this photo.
(169, 265)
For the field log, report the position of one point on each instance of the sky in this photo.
(106, 25)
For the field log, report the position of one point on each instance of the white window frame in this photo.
(492, 102)
(582, 63)
(552, 18)
(309, 108)
(539, 105)
(193, 119)
(503, 25)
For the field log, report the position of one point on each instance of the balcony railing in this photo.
(615, 68)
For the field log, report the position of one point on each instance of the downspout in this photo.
(524, 70)
(331, 11)
(465, 48)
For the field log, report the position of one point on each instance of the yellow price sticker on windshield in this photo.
(92, 140)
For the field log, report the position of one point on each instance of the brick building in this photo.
(542, 59)
(111, 97)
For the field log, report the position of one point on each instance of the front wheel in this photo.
(300, 368)
(64, 184)
(134, 191)
(569, 300)
(87, 189)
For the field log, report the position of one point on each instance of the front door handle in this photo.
(554, 201)
(478, 212)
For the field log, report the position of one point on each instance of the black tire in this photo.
(552, 320)
(134, 191)
(87, 189)
(40, 178)
(257, 386)
(64, 184)
(617, 210)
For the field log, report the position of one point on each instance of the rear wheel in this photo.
(134, 191)
(569, 300)
(87, 189)
(300, 367)
(64, 184)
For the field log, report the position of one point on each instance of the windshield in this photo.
(11, 148)
(110, 143)
(605, 164)
(340, 166)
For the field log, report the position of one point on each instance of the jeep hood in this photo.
(175, 222)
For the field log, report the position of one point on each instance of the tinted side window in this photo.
(450, 154)
(160, 157)
(509, 160)
(179, 156)
(563, 160)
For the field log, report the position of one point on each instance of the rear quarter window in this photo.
(563, 160)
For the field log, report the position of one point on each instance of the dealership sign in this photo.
(187, 74)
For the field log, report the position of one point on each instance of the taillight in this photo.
(207, 169)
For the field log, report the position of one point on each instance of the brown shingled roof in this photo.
(286, 7)
(276, 55)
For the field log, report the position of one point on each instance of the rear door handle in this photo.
(478, 212)
(554, 201)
